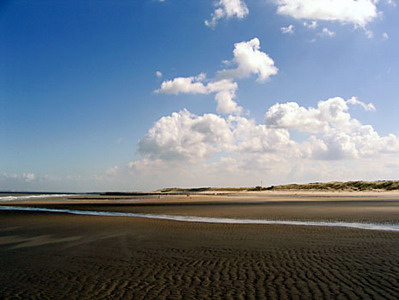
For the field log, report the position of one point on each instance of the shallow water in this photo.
(196, 219)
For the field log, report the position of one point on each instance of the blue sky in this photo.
(138, 95)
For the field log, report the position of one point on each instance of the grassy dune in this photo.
(344, 186)
(384, 185)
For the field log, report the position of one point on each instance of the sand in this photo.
(58, 256)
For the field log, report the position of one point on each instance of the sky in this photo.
(136, 95)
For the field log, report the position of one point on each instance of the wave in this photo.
(195, 219)
(25, 197)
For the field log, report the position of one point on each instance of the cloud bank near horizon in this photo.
(213, 149)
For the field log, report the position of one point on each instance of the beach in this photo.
(54, 255)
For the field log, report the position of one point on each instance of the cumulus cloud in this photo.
(340, 135)
(249, 61)
(227, 9)
(329, 114)
(356, 12)
(185, 85)
(201, 149)
(225, 91)
(250, 137)
(187, 149)
(288, 30)
(184, 139)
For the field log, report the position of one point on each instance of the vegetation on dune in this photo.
(347, 186)
(384, 185)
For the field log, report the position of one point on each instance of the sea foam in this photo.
(25, 197)
(196, 219)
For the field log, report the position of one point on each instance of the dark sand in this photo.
(60, 256)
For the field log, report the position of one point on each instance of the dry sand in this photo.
(58, 256)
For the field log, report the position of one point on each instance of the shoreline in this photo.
(210, 220)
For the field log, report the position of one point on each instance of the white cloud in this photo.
(185, 85)
(326, 32)
(369, 34)
(310, 25)
(250, 137)
(356, 12)
(292, 116)
(225, 95)
(385, 36)
(190, 150)
(186, 137)
(329, 114)
(227, 9)
(112, 171)
(158, 74)
(27, 177)
(288, 30)
(340, 135)
(333, 134)
(355, 101)
(250, 61)
(224, 91)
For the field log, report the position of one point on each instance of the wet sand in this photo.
(58, 256)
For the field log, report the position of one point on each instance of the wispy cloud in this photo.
(288, 30)
(327, 33)
(27, 177)
(310, 25)
(385, 36)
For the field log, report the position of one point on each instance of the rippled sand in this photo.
(52, 256)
